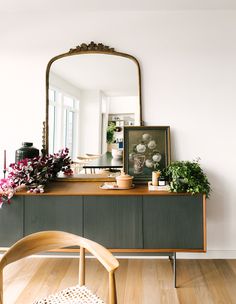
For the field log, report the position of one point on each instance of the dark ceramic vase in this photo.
(26, 151)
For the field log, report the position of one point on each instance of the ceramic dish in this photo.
(114, 186)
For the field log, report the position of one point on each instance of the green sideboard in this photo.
(133, 220)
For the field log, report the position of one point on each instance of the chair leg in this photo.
(82, 267)
(112, 289)
(1, 286)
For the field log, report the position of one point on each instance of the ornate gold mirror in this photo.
(92, 93)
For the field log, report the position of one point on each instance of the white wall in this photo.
(188, 62)
(90, 122)
(56, 81)
(125, 104)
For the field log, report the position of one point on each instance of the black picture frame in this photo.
(146, 149)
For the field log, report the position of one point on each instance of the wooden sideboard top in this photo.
(92, 188)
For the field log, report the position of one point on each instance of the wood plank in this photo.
(232, 264)
(43, 283)
(185, 291)
(133, 280)
(17, 276)
(215, 283)
(228, 276)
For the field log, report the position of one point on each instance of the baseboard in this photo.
(210, 254)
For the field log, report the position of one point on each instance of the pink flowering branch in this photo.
(7, 190)
(34, 173)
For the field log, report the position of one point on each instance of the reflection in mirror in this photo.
(91, 97)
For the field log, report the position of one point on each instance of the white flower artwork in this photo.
(148, 148)
(141, 148)
(149, 163)
(156, 157)
(152, 144)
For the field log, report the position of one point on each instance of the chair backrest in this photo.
(47, 240)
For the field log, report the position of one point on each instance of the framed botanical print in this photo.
(146, 149)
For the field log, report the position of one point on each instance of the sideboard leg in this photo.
(173, 260)
(174, 269)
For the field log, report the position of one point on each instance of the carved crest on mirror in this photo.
(92, 47)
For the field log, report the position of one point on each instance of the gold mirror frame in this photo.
(91, 48)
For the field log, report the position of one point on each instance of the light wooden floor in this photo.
(138, 281)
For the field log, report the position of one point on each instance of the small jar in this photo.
(26, 151)
(124, 181)
(161, 181)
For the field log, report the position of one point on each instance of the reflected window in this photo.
(63, 113)
(68, 127)
(52, 114)
(68, 101)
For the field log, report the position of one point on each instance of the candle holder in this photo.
(4, 163)
(43, 150)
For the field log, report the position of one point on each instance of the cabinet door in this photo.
(114, 221)
(11, 221)
(174, 222)
(53, 213)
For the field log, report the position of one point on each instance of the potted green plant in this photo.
(187, 176)
(110, 132)
(110, 136)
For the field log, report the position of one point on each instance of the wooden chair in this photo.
(47, 240)
(93, 156)
(84, 160)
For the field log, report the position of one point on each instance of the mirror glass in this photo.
(91, 97)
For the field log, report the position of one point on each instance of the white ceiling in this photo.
(109, 5)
